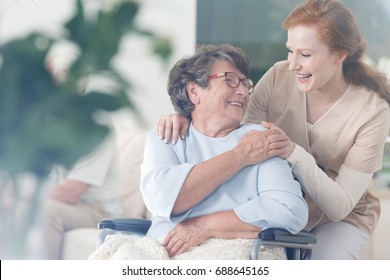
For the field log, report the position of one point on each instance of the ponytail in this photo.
(360, 73)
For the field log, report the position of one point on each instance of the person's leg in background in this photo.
(58, 217)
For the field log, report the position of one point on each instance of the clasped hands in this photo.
(257, 146)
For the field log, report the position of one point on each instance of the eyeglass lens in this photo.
(233, 80)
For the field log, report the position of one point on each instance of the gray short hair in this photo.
(197, 68)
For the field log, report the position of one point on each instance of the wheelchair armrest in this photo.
(281, 235)
(299, 244)
(133, 225)
(121, 225)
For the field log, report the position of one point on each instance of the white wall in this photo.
(172, 18)
(175, 19)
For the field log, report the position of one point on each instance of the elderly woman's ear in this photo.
(192, 90)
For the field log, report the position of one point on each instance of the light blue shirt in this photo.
(265, 194)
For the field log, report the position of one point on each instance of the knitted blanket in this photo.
(134, 247)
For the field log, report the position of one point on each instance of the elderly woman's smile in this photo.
(235, 103)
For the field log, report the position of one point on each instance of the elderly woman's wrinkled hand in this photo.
(257, 146)
(184, 236)
(253, 147)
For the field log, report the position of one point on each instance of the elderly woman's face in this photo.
(220, 101)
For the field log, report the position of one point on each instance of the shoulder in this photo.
(153, 139)
(370, 101)
(370, 112)
(279, 75)
(153, 134)
(281, 65)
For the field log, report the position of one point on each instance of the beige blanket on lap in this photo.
(134, 247)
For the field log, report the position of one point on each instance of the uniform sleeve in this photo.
(162, 176)
(93, 168)
(279, 203)
(336, 198)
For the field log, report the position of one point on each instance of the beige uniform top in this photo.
(334, 158)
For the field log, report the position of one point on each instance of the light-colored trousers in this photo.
(58, 218)
(339, 241)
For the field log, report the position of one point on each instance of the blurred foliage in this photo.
(44, 120)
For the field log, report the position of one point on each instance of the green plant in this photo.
(44, 121)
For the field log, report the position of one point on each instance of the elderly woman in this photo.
(191, 191)
(204, 208)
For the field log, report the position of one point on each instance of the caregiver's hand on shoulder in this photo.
(173, 125)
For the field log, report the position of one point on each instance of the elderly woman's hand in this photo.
(257, 146)
(252, 148)
(173, 125)
(184, 236)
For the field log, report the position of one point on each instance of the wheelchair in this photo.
(298, 246)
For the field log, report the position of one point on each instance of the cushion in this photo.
(80, 243)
